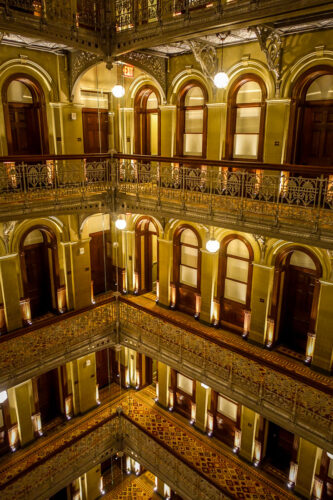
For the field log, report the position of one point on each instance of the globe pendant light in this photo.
(212, 244)
(3, 396)
(221, 78)
(120, 223)
(118, 91)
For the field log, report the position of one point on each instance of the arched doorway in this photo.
(235, 280)
(295, 296)
(246, 118)
(146, 251)
(311, 118)
(25, 116)
(40, 269)
(187, 269)
(147, 127)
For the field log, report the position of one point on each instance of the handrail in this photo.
(188, 160)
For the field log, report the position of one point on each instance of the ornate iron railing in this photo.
(271, 393)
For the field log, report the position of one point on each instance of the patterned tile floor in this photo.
(226, 471)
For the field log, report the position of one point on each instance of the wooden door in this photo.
(103, 367)
(25, 130)
(48, 395)
(38, 286)
(95, 130)
(279, 447)
(296, 308)
(316, 140)
(98, 261)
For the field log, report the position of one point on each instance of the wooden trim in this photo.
(297, 105)
(181, 109)
(38, 102)
(139, 232)
(232, 114)
(141, 120)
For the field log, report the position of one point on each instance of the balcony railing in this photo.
(280, 196)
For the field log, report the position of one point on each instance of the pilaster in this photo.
(165, 265)
(262, 282)
(10, 291)
(209, 267)
(202, 400)
(163, 384)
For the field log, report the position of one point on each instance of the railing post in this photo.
(321, 199)
(24, 168)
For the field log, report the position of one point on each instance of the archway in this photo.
(311, 118)
(40, 269)
(25, 115)
(295, 296)
(146, 251)
(147, 128)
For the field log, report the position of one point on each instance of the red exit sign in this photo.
(128, 71)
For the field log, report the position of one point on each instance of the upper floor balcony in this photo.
(289, 201)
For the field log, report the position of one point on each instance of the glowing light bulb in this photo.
(118, 91)
(3, 396)
(221, 80)
(120, 223)
(212, 246)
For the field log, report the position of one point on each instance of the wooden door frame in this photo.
(277, 294)
(181, 109)
(39, 104)
(148, 257)
(232, 115)
(141, 116)
(55, 282)
(298, 99)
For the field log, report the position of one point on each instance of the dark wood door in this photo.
(38, 286)
(25, 130)
(279, 447)
(95, 130)
(103, 367)
(296, 308)
(48, 395)
(316, 140)
(144, 262)
(98, 261)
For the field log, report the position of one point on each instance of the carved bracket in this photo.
(262, 242)
(205, 55)
(8, 229)
(270, 43)
(78, 62)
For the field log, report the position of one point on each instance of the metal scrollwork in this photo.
(78, 62)
(154, 65)
(270, 43)
(205, 55)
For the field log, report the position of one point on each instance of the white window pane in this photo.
(18, 92)
(185, 384)
(238, 247)
(246, 145)
(152, 102)
(237, 269)
(194, 97)
(154, 134)
(235, 291)
(194, 121)
(248, 120)
(301, 259)
(227, 408)
(192, 144)
(188, 236)
(321, 89)
(188, 276)
(249, 92)
(189, 256)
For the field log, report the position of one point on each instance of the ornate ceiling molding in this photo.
(78, 62)
(270, 43)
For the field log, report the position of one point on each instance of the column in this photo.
(165, 250)
(163, 384)
(322, 356)
(10, 291)
(91, 484)
(307, 458)
(216, 120)
(209, 268)
(277, 117)
(249, 423)
(202, 400)
(168, 130)
(262, 282)
(78, 273)
(23, 397)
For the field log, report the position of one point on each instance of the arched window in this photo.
(295, 297)
(25, 116)
(192, 120)
(311, 118)
(146, 252)
(235, 280)
(246, 119)
(147, 122)
(40, 270)
(187, 268)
